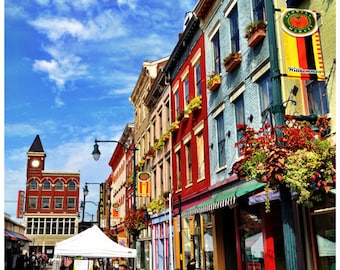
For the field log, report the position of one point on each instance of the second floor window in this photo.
(58, 203)
(45, 203)
(317, 98)
(239, 114)
(220, 139)
(178, 167)
(32, 202)
(200, 155)
(216, 50)
(234, 30)
(266, 98)
(71, 203)
(188, 163)
(177, 103)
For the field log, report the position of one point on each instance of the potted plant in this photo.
(298, 159)
(135, 221)
(255, 32)
(214, 81)
(232, 61)
(194, 104)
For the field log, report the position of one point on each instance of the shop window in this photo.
(252, 238)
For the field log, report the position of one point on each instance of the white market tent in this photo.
(93, 243)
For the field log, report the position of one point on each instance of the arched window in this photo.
(34, 184)
(46, 184)
(59, 185)
(71, 185)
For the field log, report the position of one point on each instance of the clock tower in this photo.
(35, 158)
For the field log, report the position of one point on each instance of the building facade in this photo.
(51, 205)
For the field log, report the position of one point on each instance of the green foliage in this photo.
(296, 158)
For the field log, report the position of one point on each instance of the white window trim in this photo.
(237, 93)
(258, 74)
(229, 7)
(214, 30)
(218, 110)
(196, 58)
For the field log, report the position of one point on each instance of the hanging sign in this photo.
(144, 184)
(302, 55)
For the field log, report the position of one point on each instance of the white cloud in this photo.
(17, 129)
(130, 3)
(61, 69)
(105, 26)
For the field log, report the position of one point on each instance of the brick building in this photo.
(51, 204)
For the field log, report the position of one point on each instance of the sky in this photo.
(70, 68)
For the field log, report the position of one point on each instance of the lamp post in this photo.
(85, 193)
(96, 155)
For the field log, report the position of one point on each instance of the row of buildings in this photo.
(172, 192)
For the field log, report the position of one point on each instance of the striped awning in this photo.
(225, 198)
(15, 236)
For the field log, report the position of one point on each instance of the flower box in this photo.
(214, 82)
(255, 32)
(232, 61)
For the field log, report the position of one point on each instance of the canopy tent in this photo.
(93, 243)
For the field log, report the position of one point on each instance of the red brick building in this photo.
(51, 204)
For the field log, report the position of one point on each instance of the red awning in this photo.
(16, 236)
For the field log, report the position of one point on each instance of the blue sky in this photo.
(70, 67)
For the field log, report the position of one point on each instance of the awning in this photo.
(15, 236)
(226, 198)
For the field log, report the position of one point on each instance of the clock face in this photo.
(35, 163)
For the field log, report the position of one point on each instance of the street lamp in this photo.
(96, 155)
(85, 192)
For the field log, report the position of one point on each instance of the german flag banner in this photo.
(302, 53)
(144, 184)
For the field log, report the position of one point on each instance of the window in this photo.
(45, 203)
(34, 184)
(32, 202)
(177, 103)
(46, 185)
(59, 185)
(71, 185)
(266, 98)
(200, 155)
(186, 91)
(71, 203)
(216, 49)
(258, 10)
(188, 162)
(178, 167)
(234, 30)
(198, 79)
(220, 139)
(239, 114)
(58, 203)
(317, 97)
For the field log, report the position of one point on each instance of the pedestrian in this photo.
(32, 261)
(66, 264)
(191, 264)
(123, 265)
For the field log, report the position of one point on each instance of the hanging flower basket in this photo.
(214, 81)
(255, 32)
(135, 221)
(232, 61)
(297, 159)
